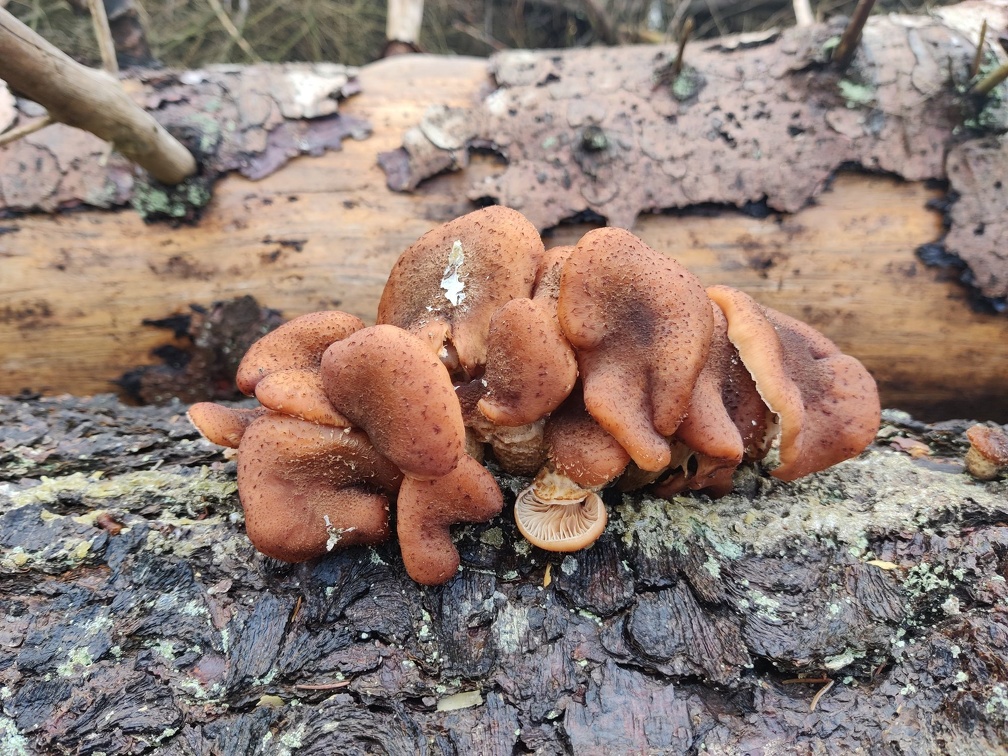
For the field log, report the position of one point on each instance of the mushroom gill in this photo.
(556, 514)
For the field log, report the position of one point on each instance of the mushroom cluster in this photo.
(600, 364)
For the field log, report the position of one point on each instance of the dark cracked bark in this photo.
(138, 617)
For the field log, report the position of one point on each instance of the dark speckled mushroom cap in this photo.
(641, 325)
(448, 284)
(826, 401)
(387, 382)
(307, 489)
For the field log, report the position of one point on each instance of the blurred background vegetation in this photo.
(191, 33)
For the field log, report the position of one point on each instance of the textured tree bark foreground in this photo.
(861, 609)
(864, 608)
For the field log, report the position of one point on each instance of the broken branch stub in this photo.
(89, 100)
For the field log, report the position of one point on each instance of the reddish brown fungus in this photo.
(307, 488)
(827, 402)
(448, 284)
(388, 383)
(426, 510)
(641, 325)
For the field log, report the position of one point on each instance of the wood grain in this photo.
(324, 232)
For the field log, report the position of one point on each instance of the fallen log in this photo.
(862, 608)
(323, 232)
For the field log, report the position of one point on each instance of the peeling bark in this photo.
(751, 122)
(138, 615)
(250, 119)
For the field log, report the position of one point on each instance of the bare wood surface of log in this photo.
(859, 610)
(89, 100)
(323, 233)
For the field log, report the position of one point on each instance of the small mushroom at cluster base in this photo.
(556, 514)
(987, 458)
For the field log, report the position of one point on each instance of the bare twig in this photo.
(599, 19)
(404, 20)
(803, 13)
(232, 30)
(843, 54)
(684, 36)
(991, 80)
(22, 131)
(820, 694)
(88, 99)
(322, 686)
(479, 35)
(104, 36)
(978, 58)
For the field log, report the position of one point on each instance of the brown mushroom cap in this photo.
(827, 402)
(387, 382)
(557, 515)
(581, 449)
(641, 325)
(307, 488)
(446, 286)
(726, 421)
(297, 344)
(222, 425)
(547, 284)
(987, 457)
(530, 367)
(707, 427)
(426, 510)
(298, 392)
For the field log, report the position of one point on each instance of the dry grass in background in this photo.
(188, 33)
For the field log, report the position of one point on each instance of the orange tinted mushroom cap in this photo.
(581, 449)
(388, 383)
(826, 401)
(298, 392)
(987, 457)
(547, 284)
(725, 423)
(307, 488)
(222, 425)
(641, 326)
(297, 344)
(446, 286)
(530, 367)
(426, 510)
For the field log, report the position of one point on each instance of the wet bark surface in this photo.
(863, 607)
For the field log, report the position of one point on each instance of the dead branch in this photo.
(104, 36)
(90, 100)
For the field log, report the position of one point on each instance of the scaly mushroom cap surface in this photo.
(298, 392)
(987, 457)
(446, 286)
(297, 344)
(547, 283)
(387, 382)
(530, 367)
(557, 515)
(222, 425)
(307, 488)
(641, 326)
(707, 427)
(581, 449)
(827, 402)
(426, 510)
